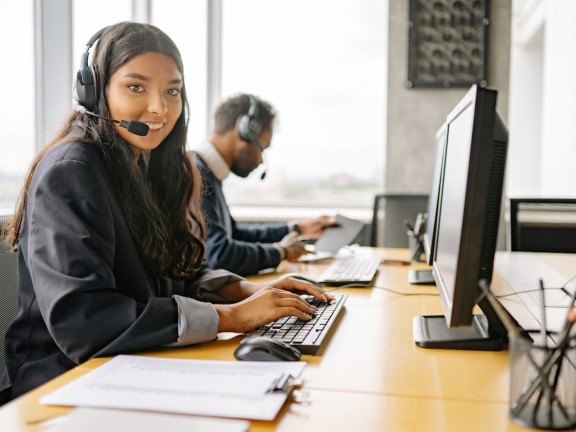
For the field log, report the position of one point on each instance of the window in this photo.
(185, 22)
(17, 134)
(87, 20)
(322, 64)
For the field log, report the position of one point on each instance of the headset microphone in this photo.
(133, 126)
(257, 142)
(249, 128)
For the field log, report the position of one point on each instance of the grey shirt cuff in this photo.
(197, 321)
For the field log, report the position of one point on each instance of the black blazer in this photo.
(83, 289)
(244, 249)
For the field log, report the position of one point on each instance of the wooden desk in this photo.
(371, 376)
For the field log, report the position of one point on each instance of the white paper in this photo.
(98, 420)
(201, 387)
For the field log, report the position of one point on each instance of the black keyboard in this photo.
(356, 269)
(306, 336)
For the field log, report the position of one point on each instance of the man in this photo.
(243, 128)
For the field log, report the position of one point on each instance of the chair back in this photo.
(390, 212)
(543, 225)
(8, 291)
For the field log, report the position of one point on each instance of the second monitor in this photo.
(425, 277)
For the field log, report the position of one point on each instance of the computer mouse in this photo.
(306, 279)
(266, 349)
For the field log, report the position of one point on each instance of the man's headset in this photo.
(249, 127)
(86, 91)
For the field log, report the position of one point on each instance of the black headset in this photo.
(248, 125)
(86, 90)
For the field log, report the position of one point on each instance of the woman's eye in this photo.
(174, 92)
(136, 88)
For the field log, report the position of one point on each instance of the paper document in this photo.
(202, 387)
(98, 420)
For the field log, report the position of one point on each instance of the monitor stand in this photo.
(421, 277)
(431, 331)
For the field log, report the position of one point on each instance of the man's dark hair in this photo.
(236, 105)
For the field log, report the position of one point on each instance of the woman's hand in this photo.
(268, 303)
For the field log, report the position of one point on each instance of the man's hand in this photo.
(313, 228)
(293, 246)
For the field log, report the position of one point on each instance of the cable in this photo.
(358, 285)
(562, 288)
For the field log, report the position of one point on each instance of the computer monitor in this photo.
(424, 276)
(467, 227)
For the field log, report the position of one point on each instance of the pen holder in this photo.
(542, 385)
(416, 245)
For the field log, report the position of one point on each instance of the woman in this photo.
(109, 253)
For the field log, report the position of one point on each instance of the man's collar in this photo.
(213, 160)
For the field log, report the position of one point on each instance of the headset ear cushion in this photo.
(247, 125)
(86, 88)
(243, 128)
(254, 126)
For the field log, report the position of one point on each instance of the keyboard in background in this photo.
(306, 336)
(353, 270)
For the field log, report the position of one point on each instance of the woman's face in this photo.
(146, 89)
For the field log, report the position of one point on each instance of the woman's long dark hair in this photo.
(160, 194)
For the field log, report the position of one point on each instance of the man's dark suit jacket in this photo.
(243, 249)
(83, 289)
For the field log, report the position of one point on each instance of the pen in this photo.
(418, 224)
(544, 334)
(409, 225)
(563, 346)
(543, 329)
(394, 262)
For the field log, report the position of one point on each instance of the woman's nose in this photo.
(158, 103)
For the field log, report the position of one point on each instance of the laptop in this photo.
(334, 238)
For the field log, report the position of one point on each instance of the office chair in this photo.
(8, 292)
(543, 225)
(389, 213)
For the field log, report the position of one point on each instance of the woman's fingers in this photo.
(302, 315)
(263, 307)
(286, 299)
(305, 287)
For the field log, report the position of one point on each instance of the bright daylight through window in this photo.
(17, 112)
(322, 64)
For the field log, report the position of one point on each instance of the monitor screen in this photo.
(424, 276)
(435, 195)
(467, 226)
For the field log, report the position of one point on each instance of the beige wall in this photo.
(415, 114)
